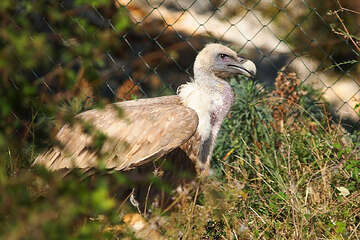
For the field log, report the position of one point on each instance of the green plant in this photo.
(50, 57)
(248, 122)
(287, 186)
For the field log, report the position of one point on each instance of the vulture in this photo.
(182, 126)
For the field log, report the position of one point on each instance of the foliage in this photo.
(276, 177)
(247, 123)
(51, 54)
(281, 165)
(59, 215)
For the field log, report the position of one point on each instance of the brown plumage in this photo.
(144, 130)
(180, 128)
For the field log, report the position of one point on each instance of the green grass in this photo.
(281, 169)
(276, 183)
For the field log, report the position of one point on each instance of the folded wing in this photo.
(141, 131)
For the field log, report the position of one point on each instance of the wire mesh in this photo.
(318, 41)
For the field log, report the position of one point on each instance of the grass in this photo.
(283, 175)
(282, 169)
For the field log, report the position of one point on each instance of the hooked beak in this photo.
(244, 67)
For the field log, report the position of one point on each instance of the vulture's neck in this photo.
(211, 97)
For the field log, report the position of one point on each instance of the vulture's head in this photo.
(223, 62)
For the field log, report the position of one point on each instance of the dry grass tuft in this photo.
(265, 190)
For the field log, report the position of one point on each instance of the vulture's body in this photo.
(143, 130)
(181, 127)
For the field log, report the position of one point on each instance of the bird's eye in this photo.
(222, 56)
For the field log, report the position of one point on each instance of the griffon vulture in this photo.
(149, 129)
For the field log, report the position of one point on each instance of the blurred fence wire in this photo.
(158, 41)
(319, 41)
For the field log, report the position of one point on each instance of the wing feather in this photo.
(146, 130)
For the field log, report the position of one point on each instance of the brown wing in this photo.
(148, 129)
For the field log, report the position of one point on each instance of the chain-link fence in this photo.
(316, 40)
(59, 58)
(158, 41)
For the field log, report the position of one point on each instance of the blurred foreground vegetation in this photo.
(282, 168)
(51, 54)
